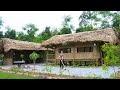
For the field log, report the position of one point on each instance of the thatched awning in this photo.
(105, 35)
(7, 44)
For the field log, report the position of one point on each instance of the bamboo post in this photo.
(96, 62)
(47, 57)
(96, 53)
(55, 55)
(73, 55)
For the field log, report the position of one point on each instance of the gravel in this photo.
(73, 71)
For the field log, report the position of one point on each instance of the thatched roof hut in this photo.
(105, 35)
(7, 44)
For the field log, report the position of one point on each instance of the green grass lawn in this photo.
(4, 75)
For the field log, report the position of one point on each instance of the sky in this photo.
(18, 19)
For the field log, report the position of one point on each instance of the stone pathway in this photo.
(73, 71)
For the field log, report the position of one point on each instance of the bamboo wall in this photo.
(80, 56)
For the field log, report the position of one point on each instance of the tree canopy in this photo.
(88, 21)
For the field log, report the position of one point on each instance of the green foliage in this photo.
(15, 69)
(89, 76)
(22, 56)
(99, 77)
(5, 75)
(104, 68)
(113, 76)
(46, 34)
(88, 21)
(21, 36)
(93, 76)
(83, 29)
(98, 20)
(31, 31)
(88, 18)
(54, 32)
(112, 56)
(1, 56)
(38, 39)
(1, 22)
(68, 72)
(47, 68)
(116, 22)
(61, 72)
(66, 29)
(10, 33)
(34, 56)
(0, 67)
(1, 34)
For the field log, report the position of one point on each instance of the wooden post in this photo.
(73, 55)
(101, 61)
(55, 55)
(47, 57)
(85, 63)
(8, 60)
(96, 62)
(96, 53)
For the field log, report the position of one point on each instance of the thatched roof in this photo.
(7, 44)
(105, 35)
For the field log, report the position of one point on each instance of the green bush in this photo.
(47, 68)
(111, 55)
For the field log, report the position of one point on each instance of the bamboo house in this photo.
(81, 47)
(12, 49)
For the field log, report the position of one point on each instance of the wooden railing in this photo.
(51, 56)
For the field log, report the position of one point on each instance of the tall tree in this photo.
(67, 27)
(92, 20)
(54, 32)
(10, 33)
(1, 22)
(31, 31)
(21, 36)
(106, 19)
(38, 39)
(1, 34)
(112, 55)
(88, 19)
(46, 34)
(116, 22)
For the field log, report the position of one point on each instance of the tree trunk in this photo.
(34, 65)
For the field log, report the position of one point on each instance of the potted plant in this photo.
(22, 56)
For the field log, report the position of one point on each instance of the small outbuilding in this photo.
(12, 49)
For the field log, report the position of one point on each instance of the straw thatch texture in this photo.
(7, 44)
(105, 35)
